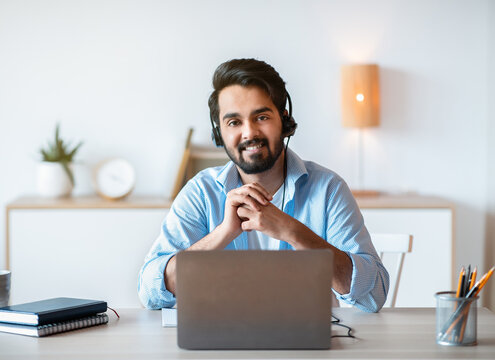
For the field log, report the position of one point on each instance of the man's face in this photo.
(251, 128)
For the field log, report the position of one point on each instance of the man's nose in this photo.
(250, 130)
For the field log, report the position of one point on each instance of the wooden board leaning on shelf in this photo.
(194, 159)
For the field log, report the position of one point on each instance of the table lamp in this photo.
(360, 109)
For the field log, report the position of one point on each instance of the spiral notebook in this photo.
(55, 328)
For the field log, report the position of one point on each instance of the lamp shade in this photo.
(360, 96)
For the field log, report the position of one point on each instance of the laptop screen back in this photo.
(254, 299)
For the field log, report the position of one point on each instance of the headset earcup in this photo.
(216, 137)
(289, 126)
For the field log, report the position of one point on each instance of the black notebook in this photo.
(50, 329)
(51, 311)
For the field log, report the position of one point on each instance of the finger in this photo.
(257, 192)
(247, 226)
(254, 193)
(244, 212)
(262, 190)
(239, 199)
(245, 199)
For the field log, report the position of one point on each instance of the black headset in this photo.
(289, 126)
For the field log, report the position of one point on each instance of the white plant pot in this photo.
(52, 180)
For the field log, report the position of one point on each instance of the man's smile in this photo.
(252, 146)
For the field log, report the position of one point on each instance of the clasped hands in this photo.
(249, 208)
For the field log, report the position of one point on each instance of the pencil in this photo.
(473, 278)
(484, 279)
(459, 284)
(468, 278)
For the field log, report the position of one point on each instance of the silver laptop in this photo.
(254, 299)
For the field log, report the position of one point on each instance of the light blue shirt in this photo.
(315, 196)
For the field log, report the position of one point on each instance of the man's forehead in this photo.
(238, 98)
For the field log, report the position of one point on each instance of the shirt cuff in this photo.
(362, 280)
(152, 290)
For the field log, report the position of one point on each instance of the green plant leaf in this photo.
(71, 154)
(68, 171)
(58, 151)
(44, 155)
(57, 132)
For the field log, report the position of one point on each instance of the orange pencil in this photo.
(459, 285)
(473, 278)
(483, 280)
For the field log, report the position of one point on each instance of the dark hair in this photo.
(247, 72)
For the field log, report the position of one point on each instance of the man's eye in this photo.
(233, 123)
(262, 117)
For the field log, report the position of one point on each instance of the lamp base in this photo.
(365, 193)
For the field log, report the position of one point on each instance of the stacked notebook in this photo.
(51, 316)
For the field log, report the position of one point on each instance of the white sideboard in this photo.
(80, 247)
(429, 267)
(93, 248)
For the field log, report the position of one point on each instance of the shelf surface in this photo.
(382, 201)
(403, 201)
(89, 202)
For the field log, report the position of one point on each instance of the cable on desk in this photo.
(349, 329)
(114, 311)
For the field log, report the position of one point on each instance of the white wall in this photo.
(490, 216)
(129, 77)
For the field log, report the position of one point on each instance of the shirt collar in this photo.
(296, 169)
(229, 177)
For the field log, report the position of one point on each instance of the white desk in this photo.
(401, 333)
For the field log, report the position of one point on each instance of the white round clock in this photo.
(114, 179)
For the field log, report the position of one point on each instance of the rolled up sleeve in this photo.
(369, 284)
(183, 226)
(347, 232)
(151, 285)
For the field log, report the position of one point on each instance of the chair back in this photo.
(392, 246)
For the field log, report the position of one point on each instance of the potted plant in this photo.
(55, 176)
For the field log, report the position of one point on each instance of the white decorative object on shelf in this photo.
(114, 179)
(55, 175)
(52, 179)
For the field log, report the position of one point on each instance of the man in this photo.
(265, 198)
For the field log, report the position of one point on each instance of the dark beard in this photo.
(257, 164)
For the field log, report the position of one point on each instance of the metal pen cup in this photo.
(4, 287)
(456, 319)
